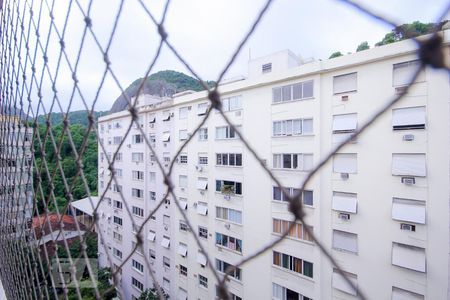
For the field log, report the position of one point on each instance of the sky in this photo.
(205, 33)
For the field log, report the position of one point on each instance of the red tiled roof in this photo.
(67, 223)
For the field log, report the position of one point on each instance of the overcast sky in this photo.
(206, 32)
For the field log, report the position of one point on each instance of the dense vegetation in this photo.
(399, 33)
(75, 117)
(68, 164)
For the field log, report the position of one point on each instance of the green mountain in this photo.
(75, 117)
(163, 83)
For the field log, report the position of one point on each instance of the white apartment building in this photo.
(380, 206)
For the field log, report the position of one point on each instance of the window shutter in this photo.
(345, 163)
(408, 117)
(344, 123)
(345, 83)
(345, 241)
(339, 282)
(409, 164)
(409, 257)
(408, 210)
(401, 294)
(346, 202)
(402, 73)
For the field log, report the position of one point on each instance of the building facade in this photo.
(380, 206)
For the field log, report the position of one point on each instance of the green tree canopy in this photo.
(363, 46)
(335, 54)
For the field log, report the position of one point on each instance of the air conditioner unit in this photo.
(344, 176)
(194, 204)
(189, 107)
(171, 114)
(410, 227)
(219, 249)
(199, 168)
(344, 216)
(226, 197)
(408, 137)
(227, 226)
(166, 227)
(129, 145)
(116, 211)
(344, 98)
(408, 180)
(238, 113)
(401, 90)
(182, 189)
(165, 144)
(152, 125)
(202, 192)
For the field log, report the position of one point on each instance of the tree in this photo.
(149, 294)
(363, 46)
(335, 54)
(407, 31)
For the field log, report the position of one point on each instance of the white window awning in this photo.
(409, 257)
(413, 164)
(408, 210)
(408, 116)
(152, 119)
(346, 241)
(346, 202)
(151, 236)
(202, 108)
(345, 83)
(166, 137)
(201, 259)
(202, 209)
(182, 250)
(202, 184)
(339, 283)
(344, 123)
(345, 163)
(182, 295)
(165, 242)
(183, 204)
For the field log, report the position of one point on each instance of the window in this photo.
(345, 123)
(201, 259)
(117, 220)
(137, 157)
(165, 242)
(117, 253)
(202, 183)
(166, 157)
(182, 294)
(117, 188)
(345, 241)
(166, 262)
(183, 181)
(402, 73)
(226, 132)
(117, 140)
(152, 176)
(408, 210)
(182, 249)
(166, 136)
(137, 284)
(137, 139)
(297, 91)
(118, 172)
(409, 257)
(117, 125)
(339, 282)
(166, 284)
(152, 254)
(183, 113)
(203, 159)
(345, 163)
(109, 141)
(203, 134)
(151, 236)
(281, 293)
(266, 68)
(232, 103)
(183, 203)
(411, 164)
(229, 214)
(292, 127)
(183, 135)
(119, 156)
(229, 159)
(152, 138)
(202, 281)
(166, 220)
(137, 175)
(202, 208)
(137, 211)
(152, 196)
(117, 204)
(298, 161)
(345, 83)
(401, 294)
(166, 115)
(297, 231)
(203, 232)
(229, 187)
(117, 236)
(183, 159)
(345, 202)
(307, 197)
(202, 108)
(138, 193)
(408, 118)
(183, 270)
(229, 242)
(292, 263)
(183, 226)
(223, 267)
(137, 266)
